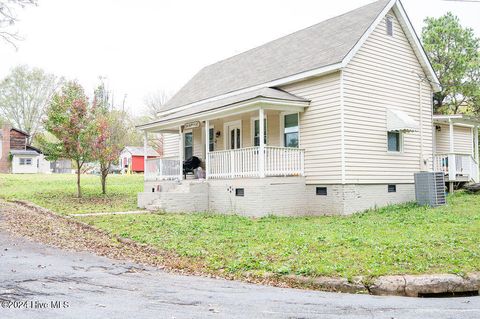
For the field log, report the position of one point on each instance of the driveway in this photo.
(89, 286)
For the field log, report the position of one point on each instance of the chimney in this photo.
(5, 148)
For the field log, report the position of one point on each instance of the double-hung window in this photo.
(256, 132)
(290, 130)
(188, 145)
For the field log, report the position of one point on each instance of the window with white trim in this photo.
(290, 130)
(188, 145)
(256, 132)
(25, 161)
(394, 141)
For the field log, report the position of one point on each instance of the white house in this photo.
(16, 156)
(332, 119)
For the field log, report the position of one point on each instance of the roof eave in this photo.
(232, 109)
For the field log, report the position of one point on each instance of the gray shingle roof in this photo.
(24, 152)
(320, 45)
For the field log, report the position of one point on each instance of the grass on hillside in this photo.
(58, 192)
(393, 240)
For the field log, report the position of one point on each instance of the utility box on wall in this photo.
(430, 188)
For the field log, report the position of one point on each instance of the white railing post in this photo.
(452, 167)
(145, 155)
(261, 157)
(207, 148)
(232, 164)
(475, 152)
(181, 150)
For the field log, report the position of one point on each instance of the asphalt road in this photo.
(89, 286)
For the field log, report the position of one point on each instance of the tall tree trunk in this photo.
(104, 169)
(104, 182)
(79, 190)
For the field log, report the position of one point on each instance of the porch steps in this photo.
(183, 197)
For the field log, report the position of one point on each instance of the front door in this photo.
(235, 137)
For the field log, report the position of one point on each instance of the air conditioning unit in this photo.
(430, 188)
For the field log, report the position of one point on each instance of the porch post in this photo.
(475, 142)
(180, 151)
(145, 155)
(261, 153)
(452, 166)
(475, 151)
(207, 147)
(451, 142)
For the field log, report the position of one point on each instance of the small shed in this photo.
(132, 158)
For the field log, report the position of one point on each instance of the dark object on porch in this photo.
(472, 188)
(190, 164)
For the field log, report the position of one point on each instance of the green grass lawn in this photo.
(394, 240)
(58, 192)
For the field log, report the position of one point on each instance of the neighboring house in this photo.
(332, 119)
(17, 157)
(132, 158)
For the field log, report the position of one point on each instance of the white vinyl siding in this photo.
(170, 145)
(462, 139)
(383, 74)
(320, 128)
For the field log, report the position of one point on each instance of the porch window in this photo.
(211, 139)
(256, 132)
(394, 141)
(290, 130)
(188, 145)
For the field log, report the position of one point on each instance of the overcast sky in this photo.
(143, 46)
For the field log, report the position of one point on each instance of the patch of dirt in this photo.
(40, 224)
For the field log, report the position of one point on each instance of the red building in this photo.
(132, 158)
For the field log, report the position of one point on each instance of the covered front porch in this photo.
(227, 139)
(456, 151)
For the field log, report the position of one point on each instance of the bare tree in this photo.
(24, 96)
(8, 18)
(154, 103)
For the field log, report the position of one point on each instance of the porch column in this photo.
(180, 151)
(475, 142)
(145, 155)
(207, 147)
(452, 166)
(451, 141)
(261, 153)
(475, 139)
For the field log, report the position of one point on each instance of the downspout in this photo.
(422, 159)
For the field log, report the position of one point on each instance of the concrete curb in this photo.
(397, 285)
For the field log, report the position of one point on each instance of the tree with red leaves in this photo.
(110, 138)
(71, 120)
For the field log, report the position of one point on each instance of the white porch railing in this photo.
(244, 162)
(162, 169)
(458, 167)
